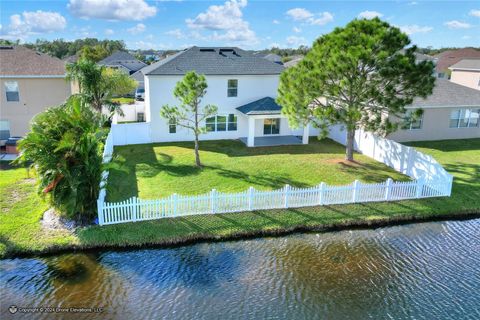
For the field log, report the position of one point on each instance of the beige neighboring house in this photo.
(30, 82)
(452, 111)
(467, 73)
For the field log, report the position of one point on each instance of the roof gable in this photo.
(467, 64)
(265, 105)
(214, 61)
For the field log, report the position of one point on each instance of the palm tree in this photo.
(99, 84)
(65, 145)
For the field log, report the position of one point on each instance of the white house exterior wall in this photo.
(159, 91)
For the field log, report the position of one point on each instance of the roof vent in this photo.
(207, 50)
(6, 47)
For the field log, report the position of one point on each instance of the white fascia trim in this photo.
(32, 76)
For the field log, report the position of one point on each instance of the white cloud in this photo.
(275, 21)
(109, 32)
(84, 32)
(303, 15)
(226, 21)
(177, 33)
(369, 14)
(296, 41)
(413, 28)
(413, 3)
(455, 24)
(299, 14)
(475, 13)
(466, 37)
(112, 9)
(139, 28)
(34, 22)
(297, 30)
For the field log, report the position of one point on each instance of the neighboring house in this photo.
(241, 84)
(451, 112)
(151, 55)
(273, 57)
(467, 73)
(448, 58)
(123, 61)
(30, 83)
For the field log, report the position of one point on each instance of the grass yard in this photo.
(153, 171)
(124, 100)
(22, 208)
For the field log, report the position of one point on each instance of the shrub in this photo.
(65, 145)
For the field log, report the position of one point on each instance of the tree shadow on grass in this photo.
(368, 172)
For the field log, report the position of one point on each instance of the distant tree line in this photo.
(431, 51)
(89, 48)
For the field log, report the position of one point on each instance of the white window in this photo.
(172, 126)
(11, 91)
(411, 122)
(232, 90)
(464, 118)
(221, 123)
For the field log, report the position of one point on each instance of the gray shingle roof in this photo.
(467, 64)
(449, 94)
(20, 61)
(125, 59)
(215, 61)
(265, 105)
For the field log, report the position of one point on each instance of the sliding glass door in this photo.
(271, 126)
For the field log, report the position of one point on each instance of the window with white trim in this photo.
(11, 91)
(232, 90)
(464, 118)
(411, 122)
(221, 123)
(172, 126)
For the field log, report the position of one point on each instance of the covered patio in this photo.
(273, 129)
(273, 141)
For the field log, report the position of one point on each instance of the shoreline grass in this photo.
(21, 232)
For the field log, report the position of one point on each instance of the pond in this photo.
(421, 271)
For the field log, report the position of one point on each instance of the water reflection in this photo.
(421, 271)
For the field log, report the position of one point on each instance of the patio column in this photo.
(305, 133)
(251, 132)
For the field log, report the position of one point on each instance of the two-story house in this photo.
(242, 85)
(30, 82)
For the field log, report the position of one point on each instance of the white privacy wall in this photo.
(402, 158)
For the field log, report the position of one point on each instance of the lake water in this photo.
(416, 271)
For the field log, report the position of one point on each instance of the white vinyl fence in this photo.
(430, 180)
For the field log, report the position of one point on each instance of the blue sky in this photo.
(247, 24)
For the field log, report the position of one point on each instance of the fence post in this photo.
(286, 191)
(212, 200)
(250, 199)
(420, 184)
(321, 191)
(174, 199)
(355, 191)
(388, 189)
(101, 219)
(134, 204)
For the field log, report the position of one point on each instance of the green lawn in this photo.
(124, 100)
(153, 171)
(21, 210)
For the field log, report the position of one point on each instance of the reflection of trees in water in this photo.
(80, 280)
(340, 277)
